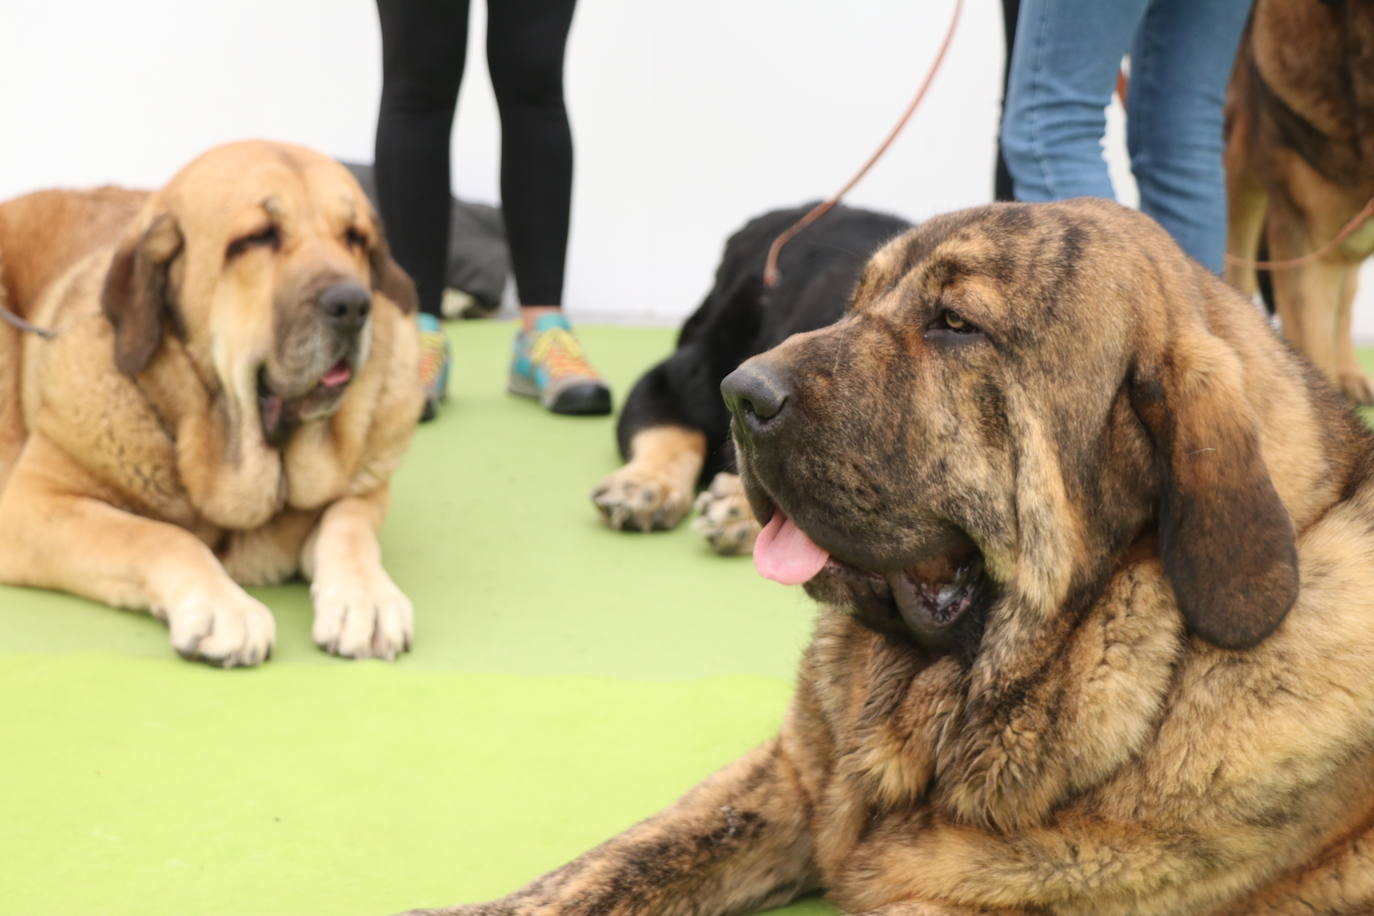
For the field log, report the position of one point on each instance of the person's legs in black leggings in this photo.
(423, 46)
(526, 40)
(525, 44)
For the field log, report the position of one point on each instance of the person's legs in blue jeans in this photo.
(1180, 63)
(1063, 70)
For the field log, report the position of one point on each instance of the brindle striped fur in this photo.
(1168, 707)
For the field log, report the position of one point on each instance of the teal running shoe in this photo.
(550, 367)
(435, 359)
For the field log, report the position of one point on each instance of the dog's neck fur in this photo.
(1316, 448)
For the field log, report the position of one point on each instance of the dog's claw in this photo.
(357, 620)
(227, 630)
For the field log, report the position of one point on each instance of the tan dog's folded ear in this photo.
(389, 279)
(135, 296)
(1226, 539)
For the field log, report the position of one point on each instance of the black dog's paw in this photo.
(639, 498)
(724, 517)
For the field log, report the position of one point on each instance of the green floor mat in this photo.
(567, 681)
(159, 787)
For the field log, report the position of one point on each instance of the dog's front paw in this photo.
(361, 617)
(636, 498)
(1356, 386)
(224, 627)
(724, 517)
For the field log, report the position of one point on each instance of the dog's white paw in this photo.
(225, 627)
(636, 498)
(724, 517)
(357, 618)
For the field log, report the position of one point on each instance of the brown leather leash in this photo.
(770, 267)
(770, 270)
(1341, 236)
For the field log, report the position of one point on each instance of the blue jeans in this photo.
(1063, 72)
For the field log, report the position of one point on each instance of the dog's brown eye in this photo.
(950, 320)
(950, 326)
(268, 237)
(354, 238)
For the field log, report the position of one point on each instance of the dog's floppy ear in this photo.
(391, 280)
(1226, 539)
(135, 296)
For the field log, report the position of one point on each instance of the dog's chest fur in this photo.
(163, 447)
(1131, 723)
(911, 734)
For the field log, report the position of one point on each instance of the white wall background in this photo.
(688, 117)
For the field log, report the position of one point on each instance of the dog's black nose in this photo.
(345, 306)
(756, 394)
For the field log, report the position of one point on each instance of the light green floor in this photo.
(567, 681)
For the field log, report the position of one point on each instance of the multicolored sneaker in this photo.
(549, 366)
(435, 358)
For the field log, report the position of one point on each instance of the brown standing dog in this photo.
(232, 383)
(1300, 165)
(1096, 558)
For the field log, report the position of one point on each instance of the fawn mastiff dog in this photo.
(232, 382)
(1299, 124)
(1095, 557)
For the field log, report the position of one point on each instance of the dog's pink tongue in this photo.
(785, 554)
(337, 376)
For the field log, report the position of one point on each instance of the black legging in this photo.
(423, 49)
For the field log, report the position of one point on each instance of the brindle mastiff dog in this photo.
(232, 383)
(1095, 554)
(1299, 137)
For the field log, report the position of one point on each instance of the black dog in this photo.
(674, 431)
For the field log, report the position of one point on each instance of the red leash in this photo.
(1288, 264)
(770, 268)
(1341, 236)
